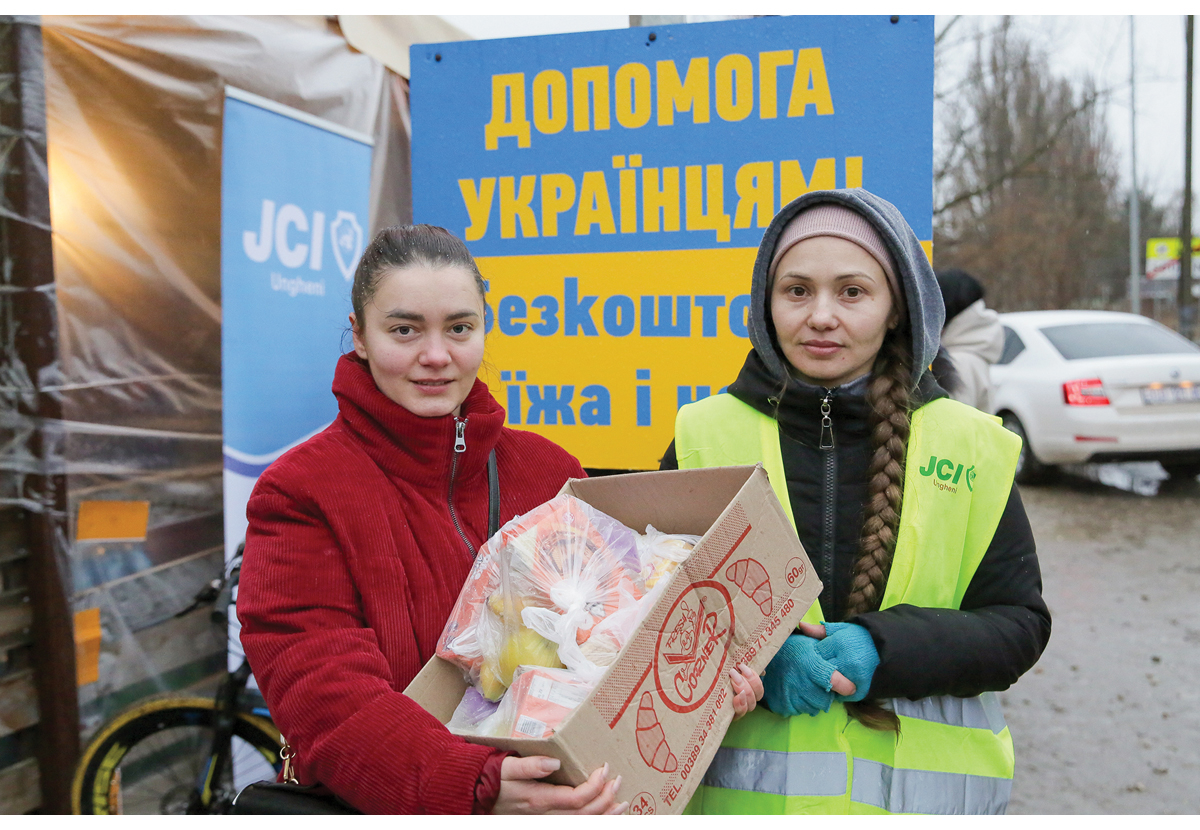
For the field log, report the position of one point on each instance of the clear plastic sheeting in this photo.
(133, 111)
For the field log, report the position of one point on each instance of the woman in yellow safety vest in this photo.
(882, 701)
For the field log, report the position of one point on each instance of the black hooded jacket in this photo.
(1003, 624)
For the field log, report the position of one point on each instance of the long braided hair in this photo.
(890, 406)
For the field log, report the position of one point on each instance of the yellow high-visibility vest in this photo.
(953, 755)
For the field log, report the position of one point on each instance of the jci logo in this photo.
(276, 228)
(947, 470)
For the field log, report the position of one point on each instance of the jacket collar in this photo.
(797, 407)
(407, 446)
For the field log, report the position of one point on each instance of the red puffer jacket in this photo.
(354, 558)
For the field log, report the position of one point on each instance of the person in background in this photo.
(881, 702)
(972, 339)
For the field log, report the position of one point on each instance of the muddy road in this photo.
(1109, 719)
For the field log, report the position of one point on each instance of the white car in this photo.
(1098, 386)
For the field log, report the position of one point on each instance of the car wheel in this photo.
(1186, 470)
(1029, 469)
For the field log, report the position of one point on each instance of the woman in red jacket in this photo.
(360, 540)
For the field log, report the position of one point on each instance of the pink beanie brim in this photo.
(844, 223)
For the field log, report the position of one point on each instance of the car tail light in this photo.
(1085, 393)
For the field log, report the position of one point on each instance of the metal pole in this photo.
(1135, 224)
(1187, 308)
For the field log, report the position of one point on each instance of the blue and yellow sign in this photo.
(614, 186)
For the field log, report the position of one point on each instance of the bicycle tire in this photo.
(149, 758)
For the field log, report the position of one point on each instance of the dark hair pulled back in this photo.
(403, 246)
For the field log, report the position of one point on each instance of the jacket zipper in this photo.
(460, 446)
(829, 501)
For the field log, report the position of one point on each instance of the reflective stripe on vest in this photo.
(981, 712)
(958, 754)
(818, 774)
(778, 773)
(932, 793)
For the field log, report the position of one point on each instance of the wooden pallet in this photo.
(19, 787)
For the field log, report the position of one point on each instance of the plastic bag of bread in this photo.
(541, 586)
(661, 553)
(467, 631)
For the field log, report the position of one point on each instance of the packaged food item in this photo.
(539, 589)
(552, 600)
(662, 702)
(461, 642)
(472, 710)
(660, 553)
(540, 700)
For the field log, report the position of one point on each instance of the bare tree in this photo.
(1025, 180)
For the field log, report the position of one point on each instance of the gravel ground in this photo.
(1109, 719)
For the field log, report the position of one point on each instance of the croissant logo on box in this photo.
(692, 645)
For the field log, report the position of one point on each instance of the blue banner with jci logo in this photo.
(294, 201)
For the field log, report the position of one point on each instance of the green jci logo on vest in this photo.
(948, 471)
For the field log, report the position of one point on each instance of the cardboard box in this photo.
(659, 714)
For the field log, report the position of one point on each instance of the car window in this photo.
(1083, 340)
(1013, 346)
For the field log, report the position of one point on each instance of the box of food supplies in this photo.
(601, 627)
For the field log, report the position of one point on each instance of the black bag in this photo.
(271, 798)
(268, 798)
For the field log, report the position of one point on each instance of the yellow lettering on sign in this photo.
(550, 101)
(755, 186)
(628, 188)
(853, 171)
(704, 193)
(793, 185)
(810, 85)
(515, 205)
(558, 196)
(478, 202)
(689, 94)
(660, 202)
(632, 94)
(595, 79)
(595, 208)
(508, 111)
(734, 87)
(768, 64)
(654, 195)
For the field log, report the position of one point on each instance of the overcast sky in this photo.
(1099, 46)
(1096, 45)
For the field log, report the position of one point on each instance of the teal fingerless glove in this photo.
(850, 649)
(797, 679)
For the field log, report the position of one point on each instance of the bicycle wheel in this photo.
(151, 758)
